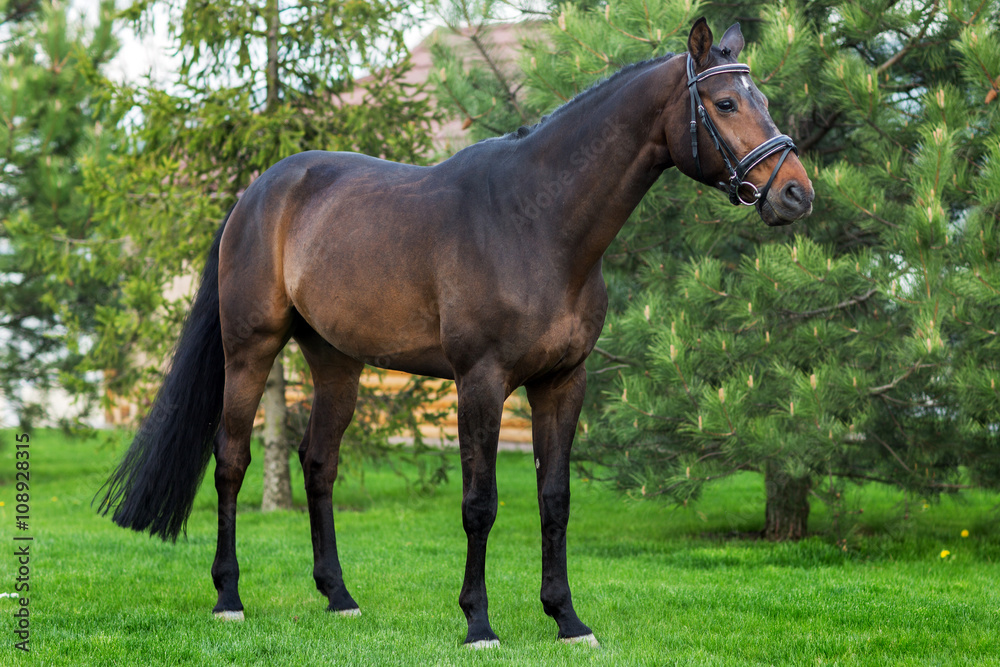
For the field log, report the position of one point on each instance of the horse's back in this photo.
(314, 200)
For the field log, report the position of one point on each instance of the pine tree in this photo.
(973, 328)
(50, 116)
(855, 345)
(822, 359)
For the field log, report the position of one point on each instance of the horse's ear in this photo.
(732, 40)
(700, 42)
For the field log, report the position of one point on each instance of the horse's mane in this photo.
(595, 94)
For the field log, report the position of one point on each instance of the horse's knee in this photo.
(479, 511)
(319, 472)
(319, 468)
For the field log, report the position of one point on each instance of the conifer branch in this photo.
(468, 115)
(877, 391)
(19, 10)
(86, 242)
(909, 45)
(612, 357)
(817, 135)
(649, 23)
(870, 214)
(650, 414)
(893, 452)
(784, 57)
(741, 467)
(562, 26)
(608, 369)
(870, 478)
(627, 34)
(528, 10)
(687, 390)
(840, 306)
(993, 289)
(501, 79)
(552, 89)
(972, 18)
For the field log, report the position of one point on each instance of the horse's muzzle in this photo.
(793, 202)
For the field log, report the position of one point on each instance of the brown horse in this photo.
(485, 269)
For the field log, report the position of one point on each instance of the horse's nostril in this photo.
(792, 194)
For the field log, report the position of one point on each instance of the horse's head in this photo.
(728, 139)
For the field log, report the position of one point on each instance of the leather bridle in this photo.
(737, 173)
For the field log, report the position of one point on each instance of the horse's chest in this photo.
(564, 343)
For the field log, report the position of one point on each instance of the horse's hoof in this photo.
(483, 643)
(348, 612)
(229, 615)
(590, 640)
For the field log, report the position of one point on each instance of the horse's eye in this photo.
(726, 106)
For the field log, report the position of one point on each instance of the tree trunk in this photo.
(277, 479)
(787, 505)
(273, 17)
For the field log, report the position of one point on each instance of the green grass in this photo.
(659, 585)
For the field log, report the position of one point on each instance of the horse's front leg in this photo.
(555, 409)
(480, 403)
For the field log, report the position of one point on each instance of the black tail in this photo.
(154, 486)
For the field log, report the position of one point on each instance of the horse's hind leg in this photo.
(250, 351)
(555, 409)
(335, 378)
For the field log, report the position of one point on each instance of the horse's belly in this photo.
(382, 328)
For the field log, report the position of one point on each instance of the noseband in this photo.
(737, 174)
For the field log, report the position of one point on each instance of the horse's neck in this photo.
(590, 167)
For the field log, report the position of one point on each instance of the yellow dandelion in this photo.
(54, 499)
(965, 533)
(926, 506)
(503, 504)
(945, 553)
(2, 504)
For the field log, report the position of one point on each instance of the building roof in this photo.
(502, 41)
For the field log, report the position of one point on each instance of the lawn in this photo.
(658, 584)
